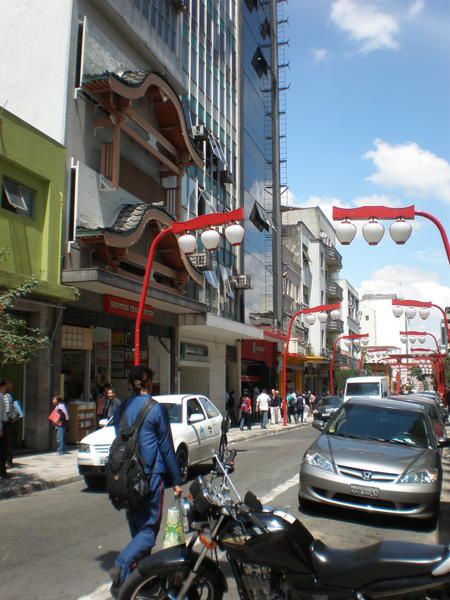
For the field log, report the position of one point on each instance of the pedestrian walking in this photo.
(102, 401)
(12, 415)
(292, 407)
(245, 411)
(306, 407)
(157, 452)
(60, 421)
(262, 406)
(230, 408)
(3, 431)
(300, 407)
(275, 403)
(112, 403)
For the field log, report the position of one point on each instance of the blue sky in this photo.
(369, 122)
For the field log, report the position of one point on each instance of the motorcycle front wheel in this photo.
(139, 586)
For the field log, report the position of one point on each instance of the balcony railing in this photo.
(335, 326)
(333, 258)
(334, 290)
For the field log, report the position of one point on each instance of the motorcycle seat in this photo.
(356, 568)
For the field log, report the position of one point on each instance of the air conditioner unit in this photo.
(242, 282)
(201, 260)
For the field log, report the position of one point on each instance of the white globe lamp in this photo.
(365, 340)
(335, 314)
(373, 232)
(412, 339)
(345, 232)
(357, 343)
(397, 311)
(410, 312)
(310, 319)
(422, 339)
(187, 243)
(210, 239)
(322, 316)
(234, 234)
(403, 339)
(424, 313)
(400, 231)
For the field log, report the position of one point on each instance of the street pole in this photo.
(352, 336)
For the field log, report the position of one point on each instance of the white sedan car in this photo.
(196, 429)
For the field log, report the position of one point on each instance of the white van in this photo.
(373, 387)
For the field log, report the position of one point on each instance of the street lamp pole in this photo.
(324, 308)
(423, 308)
(177, 228)
(352, 336)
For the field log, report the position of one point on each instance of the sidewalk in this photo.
(37, 472)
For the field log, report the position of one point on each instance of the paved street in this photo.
(60, 543)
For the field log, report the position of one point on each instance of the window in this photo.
(209, 408)
(17, 198)
(367, 317)
(194, 408)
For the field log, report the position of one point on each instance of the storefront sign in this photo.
(123, 307)
(259, 351)
(193, 352)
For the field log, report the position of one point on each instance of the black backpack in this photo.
(126, 480)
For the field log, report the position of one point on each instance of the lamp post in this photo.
(365, 351)
(433, 358)
(373, 230)
(398, 306)
(413, 335)
(187, 242)
(353, 336)
(322, 315)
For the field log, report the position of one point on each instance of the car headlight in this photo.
(84, 448)
(315, 459)
(186, 514)
(420, 476)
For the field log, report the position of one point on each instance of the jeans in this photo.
(60, 441)
(300, 413)
(144, 525)
(264, 419)
(245, 420)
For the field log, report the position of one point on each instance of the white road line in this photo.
(280, 489)
(102, 592)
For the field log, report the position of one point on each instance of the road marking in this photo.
(102, 592)
(280, 489)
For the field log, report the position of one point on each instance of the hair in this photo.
(140, 377)
(58, 398)
(2, 382)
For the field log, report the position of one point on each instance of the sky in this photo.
(369, 123)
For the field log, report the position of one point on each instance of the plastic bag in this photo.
(173, 533)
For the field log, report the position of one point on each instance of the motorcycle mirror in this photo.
(252, 501)
(444, 442)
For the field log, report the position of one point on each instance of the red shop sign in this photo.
(259, 351)
(123, 307)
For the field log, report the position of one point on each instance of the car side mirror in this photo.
(103, 422)
(196, 418)
(443, 442)
(318, 424)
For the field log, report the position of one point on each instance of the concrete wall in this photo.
(383, 328)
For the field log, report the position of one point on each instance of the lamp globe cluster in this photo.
(322, 316)
(410, 312)
(210, 238)
(373, 231)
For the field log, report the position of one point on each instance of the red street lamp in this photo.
(373, 230)
(372, 349)
(398, 306)
(420, 335)
(434, 359)
(353, 336)
(187, 243)
(322, 315)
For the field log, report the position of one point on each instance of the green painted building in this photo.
(32, 174)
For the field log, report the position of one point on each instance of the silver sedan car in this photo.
(378, 456)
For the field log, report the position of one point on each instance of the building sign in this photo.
(122, 307)
(259, 351)
(194, 352)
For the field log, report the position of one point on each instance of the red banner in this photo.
(259, 351)
(123, 307)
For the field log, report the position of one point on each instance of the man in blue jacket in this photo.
(157, 451)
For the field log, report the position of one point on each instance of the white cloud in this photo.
(376, 200)
(366, 24)
(412, 283)
(416, 8)
(407, 166)
(325, 203)
(319, 54)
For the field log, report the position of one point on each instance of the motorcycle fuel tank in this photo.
(281, 542)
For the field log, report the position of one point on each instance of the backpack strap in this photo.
(141, 416)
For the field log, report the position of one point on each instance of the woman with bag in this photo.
(59, 417)
(246, 411)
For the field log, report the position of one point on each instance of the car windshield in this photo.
(330, 402)
(174, 411)
(363, 388)
(381, 424)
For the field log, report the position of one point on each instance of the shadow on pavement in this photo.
(107, 560)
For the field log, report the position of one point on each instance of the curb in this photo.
(27, 488)
(248, 437)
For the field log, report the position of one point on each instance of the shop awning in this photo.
(106, 282)
(211, 327)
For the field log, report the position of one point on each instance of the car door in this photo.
(214, 422)
(197, 432)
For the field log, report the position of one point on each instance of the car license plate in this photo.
(365, 492)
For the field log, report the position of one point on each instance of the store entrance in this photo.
(75, 369)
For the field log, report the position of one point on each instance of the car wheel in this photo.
(183, 463)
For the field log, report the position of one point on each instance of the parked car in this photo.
(374, 386)
(439, 401)
(376, 456)
(326, 407)
(196, 428)
(437, 415)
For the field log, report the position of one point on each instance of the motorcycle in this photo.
(274, 557)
